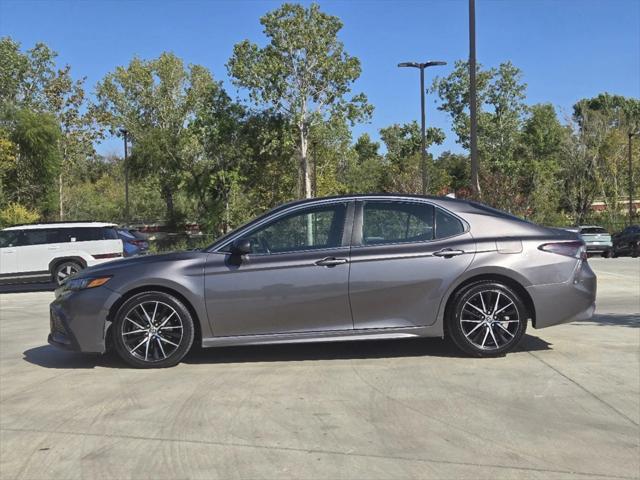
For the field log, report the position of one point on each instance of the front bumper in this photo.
(79, 320)
(571, 301)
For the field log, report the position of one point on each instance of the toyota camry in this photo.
(335, 269)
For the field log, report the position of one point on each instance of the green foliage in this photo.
(155, 101)
(15, 214)
(303, 73)
(32, 159)
(199, 156)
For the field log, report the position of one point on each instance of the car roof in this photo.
(376, 196)
(37, 226)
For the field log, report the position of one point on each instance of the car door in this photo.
(294, 280)
(41, 245)
(9, 252)
(404, 256)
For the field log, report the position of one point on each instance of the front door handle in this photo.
(447, 253)
(331, 262)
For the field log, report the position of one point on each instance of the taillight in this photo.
(575, 249)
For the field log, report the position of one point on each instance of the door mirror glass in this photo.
(241, 246)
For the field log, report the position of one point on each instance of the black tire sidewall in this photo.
(187, 332)
(455, 329)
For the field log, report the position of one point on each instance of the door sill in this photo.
(326, 336)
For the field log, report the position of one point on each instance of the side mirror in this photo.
(241, 246)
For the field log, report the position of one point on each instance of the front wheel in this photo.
(153, 330)
(488, 319)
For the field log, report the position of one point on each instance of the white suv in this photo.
(53, 251)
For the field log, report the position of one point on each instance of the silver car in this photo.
(334, 269)
(597, 240)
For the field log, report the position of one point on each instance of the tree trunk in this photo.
(60, 203)
(304, 162)
(167, 193)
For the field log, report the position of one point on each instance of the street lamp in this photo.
(124, 133)
(423, 162)
(631, 134)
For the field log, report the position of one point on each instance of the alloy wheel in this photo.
(152, 331)
(490, 319)
(65, 271)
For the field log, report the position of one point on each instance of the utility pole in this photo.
(473, 102)
(631, 186)
(126, 175)
(423, 128)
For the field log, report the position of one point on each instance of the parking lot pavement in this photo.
(565, 405)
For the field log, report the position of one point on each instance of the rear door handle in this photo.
(54, 247)
(331, 262)
(447, 253)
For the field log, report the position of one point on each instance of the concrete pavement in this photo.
(565, 405)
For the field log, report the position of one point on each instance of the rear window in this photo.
(593, 230)
(88, 234)
(447, 225)
(109, 233)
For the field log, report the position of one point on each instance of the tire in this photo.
(64, 270)
(480, 334)
(607, 254)
(153, 330)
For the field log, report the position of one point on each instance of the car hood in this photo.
(145, 261)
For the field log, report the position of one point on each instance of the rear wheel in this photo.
(64, 270)
(488, 319)
(153, 330)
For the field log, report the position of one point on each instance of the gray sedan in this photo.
(335, 269)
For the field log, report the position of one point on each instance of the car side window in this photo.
(40, 237)
(396, 222)
(447, 225)
(9, 238)
(309, 229)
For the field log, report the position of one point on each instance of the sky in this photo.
(567, 49)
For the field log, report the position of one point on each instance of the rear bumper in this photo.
(570, 301)
(599, 248)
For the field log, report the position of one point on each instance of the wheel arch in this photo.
(508, 280)
(113, 310)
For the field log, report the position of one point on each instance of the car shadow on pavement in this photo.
(631, 320)
(421, 347)
(51, 357)
(28, 287)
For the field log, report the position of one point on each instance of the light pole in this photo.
(124, 133)
(423, 161)
(631, 134)
(473, 102)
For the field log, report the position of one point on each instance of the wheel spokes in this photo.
(497, 331)
(141, 328)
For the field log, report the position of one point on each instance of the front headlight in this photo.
(84, 283)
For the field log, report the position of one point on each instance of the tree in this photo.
(366, 169)
(33, 159)
(155, 101)
(303, 73)
(597, 153)
(403, 143)
(540, 152)
(31, 81)
(501, 113)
